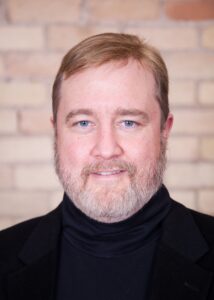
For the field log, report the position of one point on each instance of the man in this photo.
(117, 233)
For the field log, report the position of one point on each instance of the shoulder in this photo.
(13, 238)
(192, 230)
(31, 237)
(205, 223)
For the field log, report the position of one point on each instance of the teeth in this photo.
(107, 173)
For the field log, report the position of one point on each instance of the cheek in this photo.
(143, 149)
(73, 152)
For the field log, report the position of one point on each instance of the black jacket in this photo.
(184, 262)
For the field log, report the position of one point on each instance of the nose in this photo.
(106, 145)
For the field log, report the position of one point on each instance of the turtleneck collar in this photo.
(114, 239)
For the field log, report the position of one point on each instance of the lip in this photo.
(108, 173)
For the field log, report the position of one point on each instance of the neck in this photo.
(113, 239)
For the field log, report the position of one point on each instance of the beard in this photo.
(113, 202)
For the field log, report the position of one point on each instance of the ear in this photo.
(167, 126)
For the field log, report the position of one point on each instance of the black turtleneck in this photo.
(109, 261)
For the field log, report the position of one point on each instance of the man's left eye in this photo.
(83, 123)
(129, 123)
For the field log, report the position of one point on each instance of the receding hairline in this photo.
(100, 49)
(115, 64)
(104, 48)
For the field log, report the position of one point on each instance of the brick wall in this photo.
(34, 35)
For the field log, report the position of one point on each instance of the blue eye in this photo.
(129, 123)
(83, 123)
(83, 126)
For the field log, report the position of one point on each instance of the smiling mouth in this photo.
(108, 173)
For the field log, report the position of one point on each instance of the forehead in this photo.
(113, 84)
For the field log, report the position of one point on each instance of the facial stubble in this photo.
(114, 202)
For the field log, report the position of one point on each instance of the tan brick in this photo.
(193, 121)
(190, 65)
(32, 65)
(23, 204)
(19, 94)
(8, 121)
(185, 175)
(190, 9)
(34, 177)
(206, 92)
(123, 10)
(25, 149)
(35, 121)
(6, 177)
(48, 11)
(207, 148)
(208, 37)
(21, 38)
(206, 201)
(64, 37)
(55, 198)
(183, 149)
(185, 197)
(164, 38)
(181, 93)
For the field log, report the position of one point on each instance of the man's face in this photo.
(109, 149)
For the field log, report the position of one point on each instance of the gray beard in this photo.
(112, 204)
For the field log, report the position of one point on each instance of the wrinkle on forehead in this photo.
(110, 87)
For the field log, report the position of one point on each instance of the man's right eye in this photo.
(83, 123)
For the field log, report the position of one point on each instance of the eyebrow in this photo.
(132, 112)
(81, 111)
(119, 111)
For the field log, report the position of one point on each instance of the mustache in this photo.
(109, 166)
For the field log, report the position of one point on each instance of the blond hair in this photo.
(107, 47)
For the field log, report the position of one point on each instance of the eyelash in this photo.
(126, 124)
(83, 121)
(134, 123)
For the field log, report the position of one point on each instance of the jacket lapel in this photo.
(36, 279)
(176, 274)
